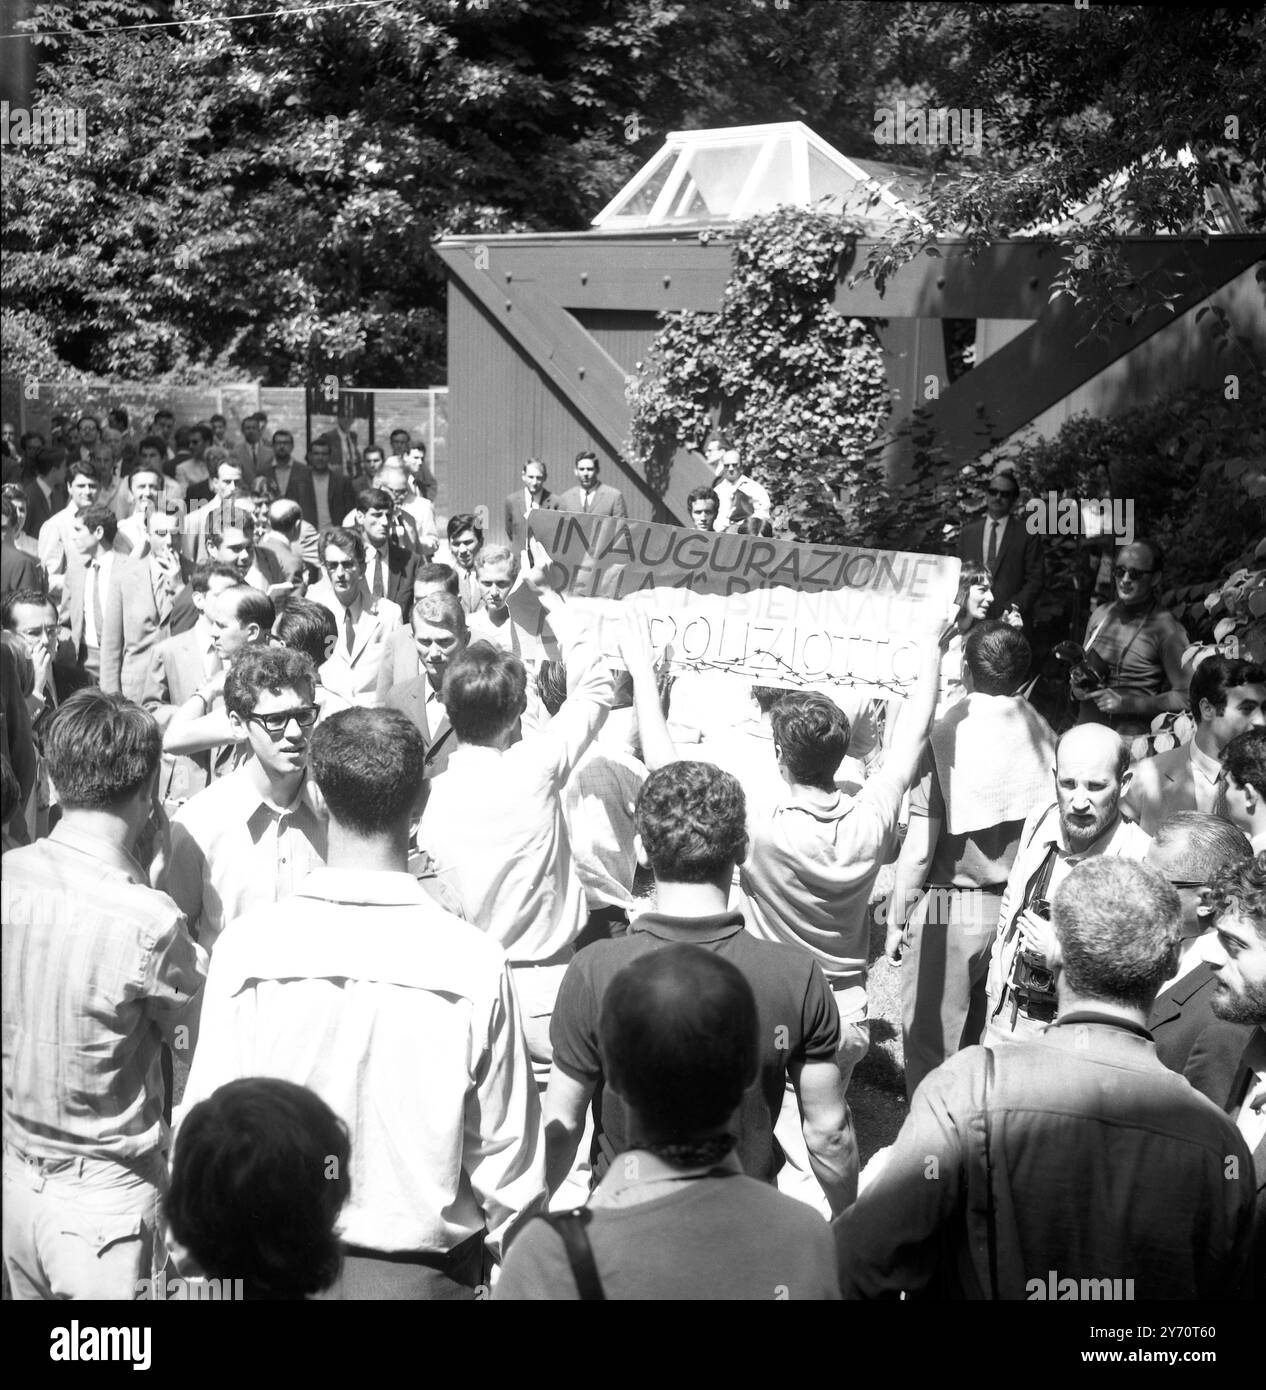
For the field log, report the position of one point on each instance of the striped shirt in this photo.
(99, 970)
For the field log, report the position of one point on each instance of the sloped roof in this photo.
(703, 177)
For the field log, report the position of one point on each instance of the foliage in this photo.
(1130, 113)
(265, 193)
(797, 388)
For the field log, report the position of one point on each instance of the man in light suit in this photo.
(345, 453)
(178, 667)
(365, 624)
(88, 584)
(138, 608)
(1228, 697)
(590, 495)
(523, 501)
(1001, 543)
(55, 548)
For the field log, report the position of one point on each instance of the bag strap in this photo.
(570, 1227)
(991, 1215)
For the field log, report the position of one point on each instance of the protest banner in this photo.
(772, 612)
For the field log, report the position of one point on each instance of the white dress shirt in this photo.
(402, 1018)
(494, 820)
(96, 584)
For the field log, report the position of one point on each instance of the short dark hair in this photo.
(485, 691)
(1216, 675)
(49, 458)
(138, 467)
(87, 416)
(437, 574)
(28, 437)
(271, 669)
(811, 734)
(119, 413)
(1244, 758)
(259, 1176)
(200, 579)
(101, 749)
(308, 627)
(767, 696)
(203, 432)
(1117, 922)
(226, 463)
(587, 454)
(692, 818)
(151, 441)
(375, 499)
(8, 510)
(465, 521)
(369, 765)
(704, 494)
(78, 469)
(343, 537)
(252, 606)
(998, 657)
(18, 598)
(102, 518)
(239, 517)
(679, 1036)
(1241, 888)
(164, 414)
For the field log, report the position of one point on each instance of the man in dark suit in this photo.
(294, 480)
(1003, 545)
(252, 455)
(439, 635)
(1190, 849)
(389, 568)
(333, 493)
(590, 495)
(46, 492)
(345, 452)
(532, 496)
(1228, 1060)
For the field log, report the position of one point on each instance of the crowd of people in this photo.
(353, 949)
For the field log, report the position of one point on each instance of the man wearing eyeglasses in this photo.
(253, 835)
(1190, 850)
(1139, 644)
(1228, 697)
(1000, 542)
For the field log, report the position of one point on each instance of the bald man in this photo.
(1084, 820)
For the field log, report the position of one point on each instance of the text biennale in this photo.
(772, 612)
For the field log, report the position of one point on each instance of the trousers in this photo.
(943, 976)
(78, 1228)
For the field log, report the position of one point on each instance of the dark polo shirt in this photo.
(799, 1022)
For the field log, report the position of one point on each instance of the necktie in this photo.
(992, 553)
(379, 565)
(349, 628)
(587, 496)
(97, 617)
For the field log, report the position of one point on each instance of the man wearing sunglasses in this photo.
(253, 835)
(1139, 644)
(1228, 697)
(1190, 849)
(1002, 544)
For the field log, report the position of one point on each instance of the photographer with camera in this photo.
(1132, 667)
(1084, 821)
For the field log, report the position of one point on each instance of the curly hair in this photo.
(692, 818)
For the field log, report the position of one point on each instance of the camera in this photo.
(1085, 677)
(1033, 981)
